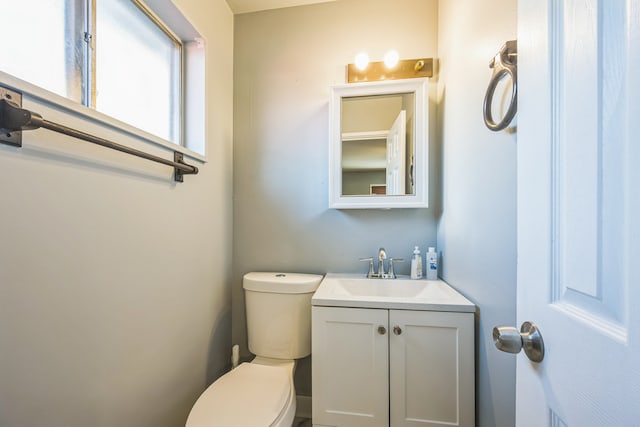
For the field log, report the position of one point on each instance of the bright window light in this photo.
(137, 69)
(36, 45)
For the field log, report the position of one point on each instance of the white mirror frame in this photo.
(421, 156)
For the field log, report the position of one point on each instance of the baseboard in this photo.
(303, 406)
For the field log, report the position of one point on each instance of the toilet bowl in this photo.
(261, 393)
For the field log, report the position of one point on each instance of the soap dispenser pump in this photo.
(416, 264)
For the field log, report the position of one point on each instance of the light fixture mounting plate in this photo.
(377, 71)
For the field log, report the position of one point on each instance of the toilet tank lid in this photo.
(281, 283)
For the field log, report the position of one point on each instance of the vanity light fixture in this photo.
(392, 68)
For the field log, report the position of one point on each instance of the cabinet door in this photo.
(350, 367)
(431, 369)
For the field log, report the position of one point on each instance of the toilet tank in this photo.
(278, 308)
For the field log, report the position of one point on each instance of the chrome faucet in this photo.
(382, 255)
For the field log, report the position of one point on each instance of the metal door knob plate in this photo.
(508, 339)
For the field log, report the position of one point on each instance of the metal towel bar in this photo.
(14, 119)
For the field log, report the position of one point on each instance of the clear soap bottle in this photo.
(416, 264)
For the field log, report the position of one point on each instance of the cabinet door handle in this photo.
(397, 330)
(382, 330)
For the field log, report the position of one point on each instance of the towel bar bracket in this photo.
(11, 137)
(178, 173)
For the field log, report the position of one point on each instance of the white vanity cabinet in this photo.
(378, 367)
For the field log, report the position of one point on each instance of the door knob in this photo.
(382, 330)
(397, 330)
(508, 339)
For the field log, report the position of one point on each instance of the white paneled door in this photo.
(579, 211)
(396, 152)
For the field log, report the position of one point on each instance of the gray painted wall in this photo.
(285, 62)
(281, 219)
(115, 282)
(477, 231)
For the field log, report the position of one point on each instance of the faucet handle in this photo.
(370, 273)
(392, 274)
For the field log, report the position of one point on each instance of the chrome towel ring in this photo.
(504, 64)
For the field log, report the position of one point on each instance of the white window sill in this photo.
(82, 112)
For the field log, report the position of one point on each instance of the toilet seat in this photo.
(252, 395)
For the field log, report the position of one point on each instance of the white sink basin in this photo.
(398, 288)
(350, 290)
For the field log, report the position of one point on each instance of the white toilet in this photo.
(261, 393)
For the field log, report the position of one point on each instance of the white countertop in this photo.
(355, 290)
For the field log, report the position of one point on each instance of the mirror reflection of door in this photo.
(396, 148)
(377, 144)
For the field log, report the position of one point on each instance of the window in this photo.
(138, 69)
(34, 39)
(115, 56)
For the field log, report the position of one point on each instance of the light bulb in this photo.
(362, 61)
(391, 58)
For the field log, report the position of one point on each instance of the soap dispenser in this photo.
(416, 264)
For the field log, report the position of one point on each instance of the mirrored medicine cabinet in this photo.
(378, 145)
